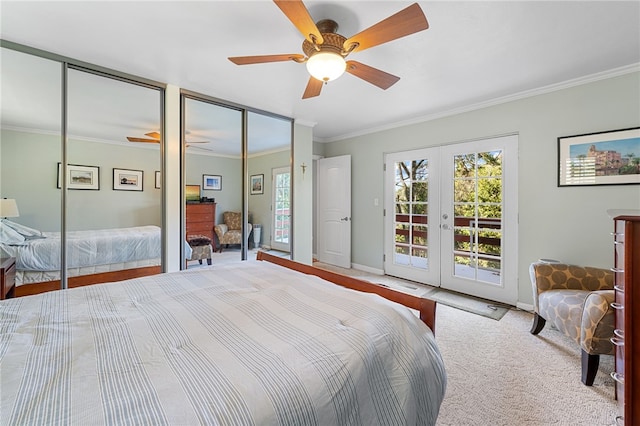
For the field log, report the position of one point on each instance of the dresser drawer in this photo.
(199, 217)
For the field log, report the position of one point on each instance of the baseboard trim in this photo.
(524, 306)
(367, 269)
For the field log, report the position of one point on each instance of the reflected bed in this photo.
(244, 343)
(93, 256)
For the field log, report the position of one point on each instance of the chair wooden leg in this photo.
(589, 367)
(538, 324)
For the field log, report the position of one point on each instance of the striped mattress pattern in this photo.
(249, 343)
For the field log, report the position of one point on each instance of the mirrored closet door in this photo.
(113, 166)
(269, 166)
(213, 179)
(30, 150)
(86, 205)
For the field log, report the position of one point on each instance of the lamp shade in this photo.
(326, 66)
(8, 208)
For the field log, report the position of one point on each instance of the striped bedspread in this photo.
(249, 343)
(88, 248)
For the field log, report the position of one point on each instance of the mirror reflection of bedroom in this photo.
(215, 213)
(111, 210)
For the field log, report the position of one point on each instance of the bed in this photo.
(244, 343)
(93, 256)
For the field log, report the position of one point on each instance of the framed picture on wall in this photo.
(603, 158)
(213, 182)
(158, 179)
(256, 184)
(127, 180)
(80, 177)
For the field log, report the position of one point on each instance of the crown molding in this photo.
(616, 72)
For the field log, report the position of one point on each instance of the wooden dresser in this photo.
(627, 332)
(200, 220)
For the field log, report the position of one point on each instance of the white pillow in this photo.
(9, 235)
(24, 230)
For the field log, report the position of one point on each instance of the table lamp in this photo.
(8, 208)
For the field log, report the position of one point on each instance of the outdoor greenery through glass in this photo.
(282, 213)
(411, 209)
(478, 209)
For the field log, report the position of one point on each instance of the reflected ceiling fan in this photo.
(325, 50)
(154, 137)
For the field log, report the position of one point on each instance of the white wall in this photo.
(566, 223)
(302, 193)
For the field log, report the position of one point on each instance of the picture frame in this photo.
(212, 182)
(158, 180)
(127, 180)
(604, 158)
(256, 184)
(80, 177)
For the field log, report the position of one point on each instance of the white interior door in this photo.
(334, 210)
(451, 217)
(412, 239)
(281, 210)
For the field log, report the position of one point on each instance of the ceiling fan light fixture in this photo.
(326, 66)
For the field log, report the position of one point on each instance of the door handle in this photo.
(346, 218)
(446, 227)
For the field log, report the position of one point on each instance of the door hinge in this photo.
(384, 167)
(384, 212)
(384, 257)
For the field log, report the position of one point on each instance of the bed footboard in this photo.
(426, 307)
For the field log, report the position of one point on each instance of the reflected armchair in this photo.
(577, 301)
(230, 231)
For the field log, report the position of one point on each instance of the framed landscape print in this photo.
(127, 180)
(603, 158)
(212, 182)
(80, 177)
(257, 184)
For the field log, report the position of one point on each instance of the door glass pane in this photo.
(478, 216)
(411, 213)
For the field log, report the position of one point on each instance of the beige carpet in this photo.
(500, 374)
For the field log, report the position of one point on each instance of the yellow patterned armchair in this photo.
(230, 231)
(577, 301)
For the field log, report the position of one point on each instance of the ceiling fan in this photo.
(325, 50)
(154, 137)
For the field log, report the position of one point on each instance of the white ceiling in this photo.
(474, 52)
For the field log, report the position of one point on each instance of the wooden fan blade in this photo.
(247, 60)
(407, 21)
(154, 135)
(372, 75)
(130, 139)
(314, 86)
(299, 16)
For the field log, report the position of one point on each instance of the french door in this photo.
(451, 217)
(281, 211)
